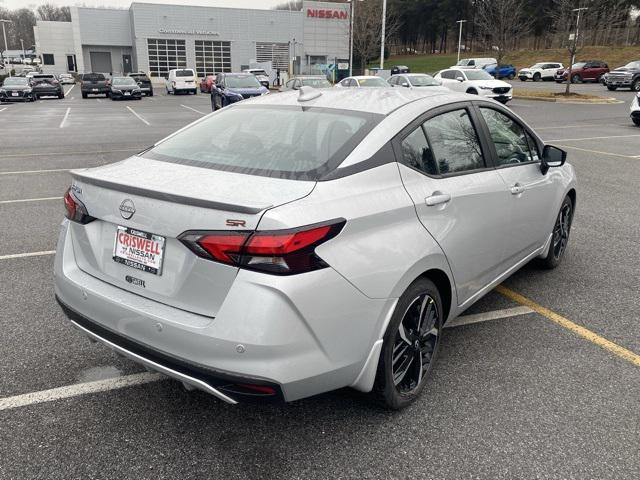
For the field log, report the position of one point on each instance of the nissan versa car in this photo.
(318, 239)
(123, 88)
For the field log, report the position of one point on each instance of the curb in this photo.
(575, 101)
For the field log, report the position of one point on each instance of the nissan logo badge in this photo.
(127, 209)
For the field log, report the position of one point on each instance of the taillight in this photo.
(75, 209)
(280, 252)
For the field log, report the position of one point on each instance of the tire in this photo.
(523, 79)
(537, 77)
(61, 96)
(576, 78)
(472, 91)
(635, 86)
(636, 121)
(195, 92)
(84, 95)
(560, 235)
(151, 93)
(420, 303)
(511, 76)
(559, 81)
(613, 89)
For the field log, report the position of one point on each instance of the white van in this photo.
(182, 80)
(478, 63)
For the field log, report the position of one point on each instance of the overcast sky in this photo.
(13, 4)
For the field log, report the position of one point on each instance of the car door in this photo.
(531, 195)
(459, 198)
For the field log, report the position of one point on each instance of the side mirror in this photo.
(460, 79)
(552, 157)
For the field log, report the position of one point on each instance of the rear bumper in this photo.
(95, 90)
(303, 335)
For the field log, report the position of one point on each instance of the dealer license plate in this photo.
(94, 89)
(127, 93)
(15, 94)
(140, 250)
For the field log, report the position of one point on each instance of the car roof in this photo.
(363, 77)
(414, 74)
(310, 76)
(381, 101)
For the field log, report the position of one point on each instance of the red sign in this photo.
(329, 14)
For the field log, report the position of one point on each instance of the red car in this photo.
(206, 83)
(589, 71)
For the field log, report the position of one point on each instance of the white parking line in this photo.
(591, 138)
(3, 109)
(66, 115)
(486, 316)
(26, 255)
(48, 154)
(598, 152)
(190, 108)
(78, 389)
(23, 172)
(99, 101)
(139, 117)
(574, 126)
(69, 91)
(4, 202)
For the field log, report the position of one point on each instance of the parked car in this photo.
(234, 87)
(414, 80)
(476, 82)
(207, 83)
(397, 69)
(315, 81)
(624, 77)
(540, 71)
(94, 84)
(16, 89)
(46, 85)
(503, 71)
(66, 79)
(589, 71)
(635, 109)
(366, 81)
(181, 80)
(476, 63)
(310, 249)
(261, 75)
(144, 82)
(123, 88)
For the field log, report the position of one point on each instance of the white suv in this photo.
(476, 82)
(540, 71)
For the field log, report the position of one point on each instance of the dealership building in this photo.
(156, 38)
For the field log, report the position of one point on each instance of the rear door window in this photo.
(416, 152)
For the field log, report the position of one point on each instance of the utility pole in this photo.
(384, 25)
(4, 34)
(574, 48)
(352, 8)
(460, 37)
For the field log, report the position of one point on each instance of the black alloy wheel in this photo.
(560, 237)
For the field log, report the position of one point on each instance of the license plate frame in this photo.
(149, 258)
(15, 94)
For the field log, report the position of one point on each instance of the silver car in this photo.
(320, 239)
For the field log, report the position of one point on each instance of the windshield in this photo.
(286, 142)
(123, 81)
(184, 73)
(478, 75)
(578, 65)
(93, 77)
(242, 81)
(372, 82)
(15, 81)
(537, 65)
(632, 66)
(316, 82)
(139, 78)
(423, 81)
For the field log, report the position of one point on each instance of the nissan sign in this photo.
(328, 14)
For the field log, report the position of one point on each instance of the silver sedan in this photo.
(320, 239)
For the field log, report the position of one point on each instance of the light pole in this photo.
(460, 37)
(384, 25)
(352, 9)
(4, 34)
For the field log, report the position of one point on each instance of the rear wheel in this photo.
(84, 95)
(560, 237)
(512, 76)
(635, 86)
(537, 77)
(613, 89)
(410, 345)
(636, 121)
(576, 79)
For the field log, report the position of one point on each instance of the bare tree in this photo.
(502, 22)
(50, 12)
(367, 29)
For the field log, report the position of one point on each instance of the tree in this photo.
(502, 22)
(367, 29)
(52, 13)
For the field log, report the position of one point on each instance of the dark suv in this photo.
(589, 71)
(143, 82)
(94, 84)
(624, 77)
(234, 87)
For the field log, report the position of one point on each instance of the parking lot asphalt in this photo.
(519, 396)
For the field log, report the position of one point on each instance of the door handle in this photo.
(437, 198)
(517, 189)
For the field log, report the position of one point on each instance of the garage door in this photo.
(101, 62)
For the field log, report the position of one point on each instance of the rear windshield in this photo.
(372, 82)
(274, 141)
(424, 81)
(184, 73)
(139, 77)
(93, 77)
(316, 82)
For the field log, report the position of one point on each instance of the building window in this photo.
(165, 55)
(276, 53)
(47, 59)
(212, 57)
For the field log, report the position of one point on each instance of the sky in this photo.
(13, 4)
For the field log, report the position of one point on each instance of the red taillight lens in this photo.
(75, 209)
(283, 252)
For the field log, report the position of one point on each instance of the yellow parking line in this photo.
(595, 151)
(585, 333)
